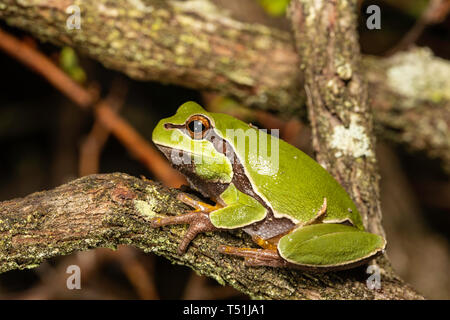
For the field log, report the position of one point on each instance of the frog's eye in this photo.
(197, 126)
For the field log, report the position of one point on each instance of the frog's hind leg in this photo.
(198, 220)
(330, 246)
(269, 256)
(256, 257)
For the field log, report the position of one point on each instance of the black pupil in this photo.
(196, 126)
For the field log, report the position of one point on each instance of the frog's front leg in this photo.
(212, 218)
(197, 219)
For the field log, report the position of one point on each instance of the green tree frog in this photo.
(296, 212)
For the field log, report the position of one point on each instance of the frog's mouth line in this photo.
(166, 150)
(170, 152)
(170, 126)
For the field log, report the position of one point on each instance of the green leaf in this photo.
(274, 7)
(68, 61)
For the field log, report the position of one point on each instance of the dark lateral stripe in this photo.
(269, 227)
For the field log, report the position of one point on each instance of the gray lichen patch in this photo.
(352, 141)
(158, 200)
(144, 208)
(154, 196)
(417, 74)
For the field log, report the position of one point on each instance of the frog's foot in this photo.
(198, 220)
(256, 257)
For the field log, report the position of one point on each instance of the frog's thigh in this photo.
(329, 245)
(237, 215)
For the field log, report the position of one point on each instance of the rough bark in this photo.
(410, 94)
(338, 107)
(194, 44)
(189, 43)
(111, 209)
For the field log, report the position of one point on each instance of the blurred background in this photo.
(46, 140)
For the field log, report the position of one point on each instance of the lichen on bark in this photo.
(418, 75)
(189, 43)
(106, 210)
(412, 89)
(338, 107)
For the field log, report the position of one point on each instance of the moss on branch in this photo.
(107, 210)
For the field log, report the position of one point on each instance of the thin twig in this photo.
(132, 140)
(432, 14)
(92, 146)
(248, 61)
(42, 65)
(139, 275)
(137, 145)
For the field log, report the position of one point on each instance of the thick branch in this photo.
(338, 105)
(410, 94)
(111, 209)
(337, 100)
(193, 44)
(188, 43)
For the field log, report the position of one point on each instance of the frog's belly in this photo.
(269, 227)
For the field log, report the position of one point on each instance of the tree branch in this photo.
(410, 95)
(193, 44)
(337, 100)
(111, 209)
(338, 107)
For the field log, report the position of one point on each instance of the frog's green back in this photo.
(297, 185)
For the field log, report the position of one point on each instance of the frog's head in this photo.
(186, 130)
(186, 139)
